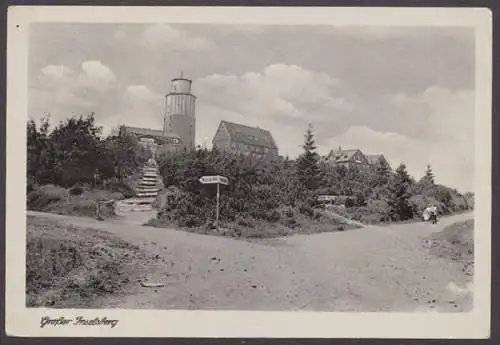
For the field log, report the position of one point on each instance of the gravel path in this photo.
(370, 269)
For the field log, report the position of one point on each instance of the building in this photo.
(348, 158)
(354, 158)
(180, 109)
(377, 159)
(153, 139)
(246, 140)
(179, 123)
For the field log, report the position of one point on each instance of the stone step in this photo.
(147, 189)
(149, 180)
(148, 184)
(145, 195)
(139, 208)
(150, 176)
(142, 200)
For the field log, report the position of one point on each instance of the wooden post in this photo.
(98, 210)
(217, 216)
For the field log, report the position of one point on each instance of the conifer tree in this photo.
(399, 186)
(308, 170)
(382, 173)
(428, 178)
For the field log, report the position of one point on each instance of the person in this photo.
(434, 212)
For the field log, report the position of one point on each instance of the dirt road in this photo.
(369, 269)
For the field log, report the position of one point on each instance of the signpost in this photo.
(216, 179)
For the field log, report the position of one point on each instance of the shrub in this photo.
(122, 187)
(30, 185)
(349, 202)
(76, 190)
(40, 198)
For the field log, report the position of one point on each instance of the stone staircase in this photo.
(149, 185)
(139, 210)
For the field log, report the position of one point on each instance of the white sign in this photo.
(214, 179)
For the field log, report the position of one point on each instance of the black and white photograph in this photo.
(315, 167)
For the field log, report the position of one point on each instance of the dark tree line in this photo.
(75, 152)
(267, 189)
(263, 188)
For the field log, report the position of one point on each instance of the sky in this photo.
(402, 91)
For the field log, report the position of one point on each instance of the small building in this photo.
(377, 159)
(347, 158)
(154, 139)
(246, 140)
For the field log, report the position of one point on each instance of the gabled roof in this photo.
(343, 156)
(253, 136)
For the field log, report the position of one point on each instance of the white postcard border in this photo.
(22, 321)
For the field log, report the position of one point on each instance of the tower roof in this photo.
(181, 77)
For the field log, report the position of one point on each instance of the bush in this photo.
(349, 202)
(40, 198)
(76, 190)
(122, 187)
(30, 185)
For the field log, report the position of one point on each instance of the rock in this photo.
(144, 284)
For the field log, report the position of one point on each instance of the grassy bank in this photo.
(455, 242)
(71, 201)
(67, 266)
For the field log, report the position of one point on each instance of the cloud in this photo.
(279, 91)
(453, 167)
(96, 76)
(56, 72)
(137, 106)
(450, 113)
(435, 126)
(61, 91)
(282, 98)
(141, 93)
(163, 35)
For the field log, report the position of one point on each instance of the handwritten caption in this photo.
(47, 321)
